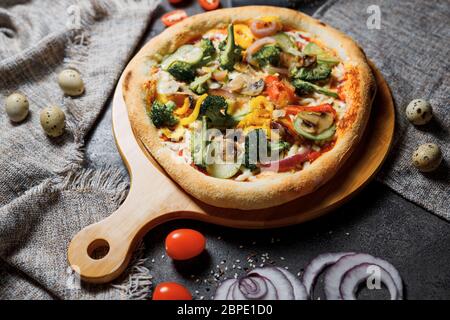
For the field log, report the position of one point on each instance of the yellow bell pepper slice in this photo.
(184, 108)
(275, 19)
(194, 115)
(260, 115)
(243, 35)
(162, 98)
(174, 135)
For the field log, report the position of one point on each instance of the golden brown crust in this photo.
(280, 187)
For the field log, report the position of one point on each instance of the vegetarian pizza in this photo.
(249, 107)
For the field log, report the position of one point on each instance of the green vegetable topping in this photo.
(286, 44)
(230, 53)
(162, 114)
(268, 55)
(198, 144)
(304, 87)
(208, 51)
(182, 71)
(317, 72)
(215, 110)
(279, 146)
(254, 140)
(312, 49)
(200, 84)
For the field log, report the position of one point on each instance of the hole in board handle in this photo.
(98, 249)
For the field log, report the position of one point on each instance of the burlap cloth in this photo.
(46, 195)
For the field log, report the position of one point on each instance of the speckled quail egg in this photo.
(53, 121)
(427, 157)
(419, 112)
(70, 82)
(17, 107)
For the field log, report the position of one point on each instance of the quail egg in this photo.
(419, 112)
(53, 121)
(70, 82)
(427, 157)
(17, 107)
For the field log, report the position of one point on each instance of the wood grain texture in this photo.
(154, 198)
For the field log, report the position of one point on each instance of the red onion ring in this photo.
(256, 46)
(317, 265)
(297, 285)
(335, 274)
(254, 288)
(355, 276)
(284, 288)
(262, 29)
(223, 290)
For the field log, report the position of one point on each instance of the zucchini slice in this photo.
(328, 133)
(187, 53)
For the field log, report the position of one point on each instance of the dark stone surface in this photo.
(377, 221)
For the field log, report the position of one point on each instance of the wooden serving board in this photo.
(154, 198)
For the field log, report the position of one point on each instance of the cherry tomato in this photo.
(172, 17)
(171, 291)
(175, 1)
(184, 244)
(209, 4)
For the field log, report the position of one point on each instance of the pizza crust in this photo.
(280, 188)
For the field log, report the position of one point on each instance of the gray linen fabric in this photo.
(45, 195)
(412, 50)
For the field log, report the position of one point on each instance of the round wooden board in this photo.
(154, 198)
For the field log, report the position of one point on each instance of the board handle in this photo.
(100, 252)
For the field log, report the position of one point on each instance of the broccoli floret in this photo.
(200, 85)
(319, 71)
(162, 114)
(215, 110)
(268, 55)
(208, 51)
(181, 71)
(304, 87)
(254, 140)
(230, 53)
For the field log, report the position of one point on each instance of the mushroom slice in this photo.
(253, 88)
(316, 122)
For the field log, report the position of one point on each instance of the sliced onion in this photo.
(254, 287)
(353, 278)
(220, 75)
(286, 164)
(272, 70)
(335, 274)
(223, 290)
(317, 265)
(261, 28)
(299, 288)
(230, 295)
(284, 288)
(256, 46)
